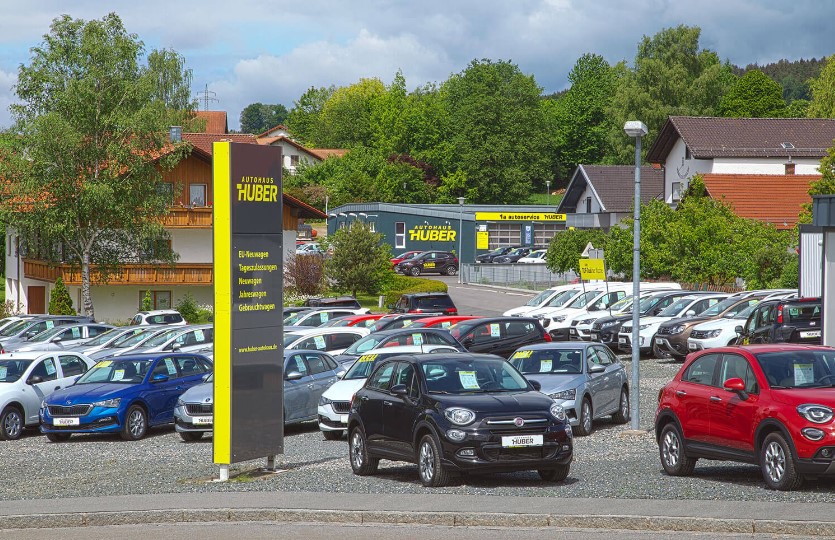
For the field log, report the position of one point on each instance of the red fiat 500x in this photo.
(769, 405)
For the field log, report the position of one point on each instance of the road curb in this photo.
(449, 519)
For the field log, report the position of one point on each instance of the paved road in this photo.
(472, 300)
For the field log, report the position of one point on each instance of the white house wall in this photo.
(595, 203)
(764, 165)
(118, 303)
(192, 245)
(679, 169)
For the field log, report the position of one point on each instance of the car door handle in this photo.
(387, 403)
(715, 398)
(57, 387)
(681, 393)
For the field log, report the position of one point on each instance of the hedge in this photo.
(407, 284)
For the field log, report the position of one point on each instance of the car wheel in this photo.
(136, 424)
(332, 435)
(11, 424)
(778, 465)
(415, 271)
(58, 437)
(431, 470)
(671, 449)
(554, 475)
(451, 270)
(622, 415)
(584, 427)
(361, 463)
(191, 436)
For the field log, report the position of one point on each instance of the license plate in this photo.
(595, 335)
(203, 420)
(519, 441)
(659, 341)
(343, 418)
(66, 422)
(691, 346)
(622, 340)
(810, 334)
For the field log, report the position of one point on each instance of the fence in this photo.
(522, 276)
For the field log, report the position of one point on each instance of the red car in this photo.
(403, 256)
(443, 321)
(768, 405)
(363, 321)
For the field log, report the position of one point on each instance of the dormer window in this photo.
(687, 153)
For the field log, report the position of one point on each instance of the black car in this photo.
(514, 255)
(429, 302)
(498, 252)
(605, 329)
(499, 335)
(398, 337)
(438, 262)
(793, 320)
(333, 301)
(393, 321)
(472, 413)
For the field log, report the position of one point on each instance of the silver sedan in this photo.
(586, 379)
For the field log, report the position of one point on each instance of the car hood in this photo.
(555, 382)
(505, 403)
(653, 320)
(799, 396)
(343, 390)
(344, 358)
(87, 393)
(202, 393)
(723, 323)
(520, 310)
(686, 320)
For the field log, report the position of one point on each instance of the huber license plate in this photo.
(65, 422)
(810, 334)
(203, 420)
(518, 441)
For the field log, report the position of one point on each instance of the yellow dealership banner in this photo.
(482, 240)
(518, 216)
(591, 269)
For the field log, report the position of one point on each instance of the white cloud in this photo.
(7, 97)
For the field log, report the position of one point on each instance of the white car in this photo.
(27, 378)
(718, 332)
(686, 306)
(540, 300)
(335, 403)
(158, 316)
(61, 338)
(331, 339)
(592, 303)
(319, 316)
(534, 257)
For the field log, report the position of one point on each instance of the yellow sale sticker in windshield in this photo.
(367, 358)
(545, 366)
(468, 380)
(522, 354)
(103, 364)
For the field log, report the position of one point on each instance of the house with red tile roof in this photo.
(215, 121)
(294, 154)
(756, 147)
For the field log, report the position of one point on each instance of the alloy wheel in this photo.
(357, 450)
(671, 449)
(426, 462)
(12, 424)
(136, 423)
(775, 462)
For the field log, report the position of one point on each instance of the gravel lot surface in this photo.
(611, 463)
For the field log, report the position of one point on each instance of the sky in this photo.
(272, 51)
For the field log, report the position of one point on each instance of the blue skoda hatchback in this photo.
(124, 395)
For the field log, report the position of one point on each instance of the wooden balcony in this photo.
(130, 274)
(183, 217)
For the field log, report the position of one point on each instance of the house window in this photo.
(159, 299)
(166, 189)
(294, 160)
(687, 153)
(588, 205)
(676, 191)
(197, 194)
(400, 235)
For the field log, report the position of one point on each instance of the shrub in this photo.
(305, 274)
(60, 302)
(405, 284)
(147, 303)
(188, 308)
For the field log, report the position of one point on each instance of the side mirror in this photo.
(737, 386)
(35, 379)
(689, 313)
(739, 330)
(536, 385)
(159, 377)
(175, 347)
(399, 390)
(596, 368)
(293, 376)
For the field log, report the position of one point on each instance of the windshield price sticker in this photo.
(522, 354)
(76, 333)
(495, 331)
(3, 371)
(49, 364)
(804, 374)
(169, 365)
(545, 366)
(520, 441)
(325, 317)
(118, 374)
(367, 358)
(319, 341)
(406, 323)
(446, 324)
(468, 380)
(198, 335)
(417, 339)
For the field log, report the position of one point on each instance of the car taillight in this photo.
(547, 337)
(779, 314)
(450, 310)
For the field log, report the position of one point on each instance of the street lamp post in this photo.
(460, 235)
(637, 130)
(548, 192)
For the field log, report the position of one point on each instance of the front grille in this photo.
(625, 329)
(664, 331)
(596, 326)
(517, 454)
(70, 410)
(700, 334)
(505, 426)
(341, 407)
(198, 409)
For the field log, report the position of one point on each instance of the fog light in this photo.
(467, 452)
(813, 434)
(565, 447)
(456, 435)
(826, 452)
(641, 341)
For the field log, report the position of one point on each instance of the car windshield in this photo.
(104, 337)
(562, 298)
(742, 314)
(556, 361)
(129, 340)
(541, 297)
(290, 337)
(623, 304)
(798, 369)
(117, 371)
(46, 335)
(472, 375)
(12, 370)
(407, 255)
(719, 307)
(364, 345)
(339, 321)
(583, 299)
(363, 367)
(162, 337)
(14, 328)
(676, 307)
(293, 319)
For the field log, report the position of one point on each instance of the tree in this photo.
(257, 117)
(60, 302)
(822, 104)
(303, 118)
(566, 248)
(88, 145)
(360, 262)
(147, 302)
(754, 95)
(345, 120)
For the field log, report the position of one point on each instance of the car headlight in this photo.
(565, 394)
(819, 414)
(587, 321)
(109, 403)
(43, 404)
(644, 326)
(713, 333)
(180, 402)
(558, 318)
(324, 401)
(459, 415)
(557, 412)
(677, 329)
(608, 324)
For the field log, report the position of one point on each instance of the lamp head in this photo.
(635, 128)
(461, 200)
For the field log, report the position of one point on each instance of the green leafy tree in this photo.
(360, 261)
(824, 186)
(496, 136)
(754, 95)
(345, 120)
(147, 302)
(258, 117)
(188, 308)
(822, 104)
(566, 248)
(60, 302)
(303, 118)
(90, 120)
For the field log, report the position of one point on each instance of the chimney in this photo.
(175, 133)
(789, 167)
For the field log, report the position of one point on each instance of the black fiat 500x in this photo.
(456, 412)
